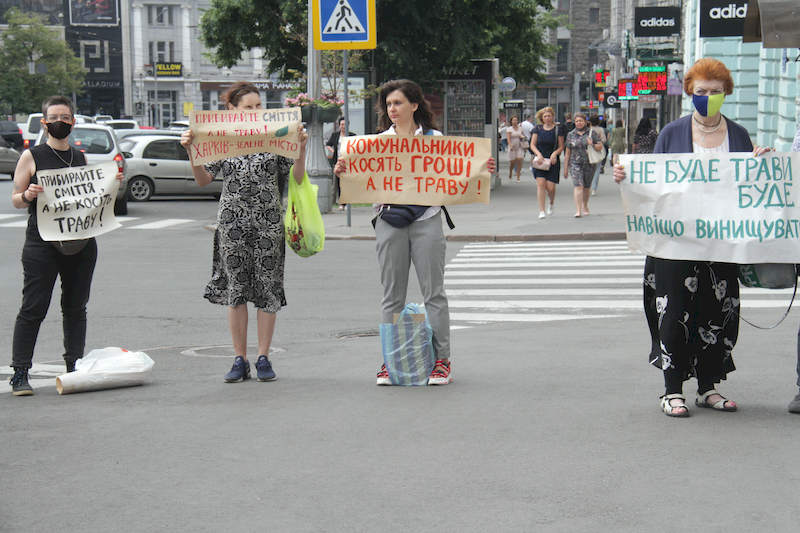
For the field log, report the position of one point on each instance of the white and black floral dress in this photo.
(249, 245)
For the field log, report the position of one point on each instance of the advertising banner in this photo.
(418, 170)
(728, 207)
(722, 18)
(657, 21)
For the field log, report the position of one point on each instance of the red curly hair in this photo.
(708, 68)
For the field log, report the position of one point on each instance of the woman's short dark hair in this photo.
(422, 116)
(594, 121)
(57, 100)
(619, 123)
(644, 126)
(236, 91)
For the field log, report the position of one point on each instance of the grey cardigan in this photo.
(676, 137)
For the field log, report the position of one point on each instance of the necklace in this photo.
(705, 129)
(71, 156)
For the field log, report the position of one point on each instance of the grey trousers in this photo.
(423, 244)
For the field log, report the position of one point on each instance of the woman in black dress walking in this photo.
(547, 143)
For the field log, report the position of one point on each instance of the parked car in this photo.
(11, 134)
(179, 125)
(99, 119)
(158, 164)
(98, 143)
(124, 134)
(123, 124)
(8, 160)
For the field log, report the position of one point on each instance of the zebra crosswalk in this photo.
(21, 221)
(549, 281)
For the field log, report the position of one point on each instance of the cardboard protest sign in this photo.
(223, 134)
(77, 202)
(418, 170)
(728, 207)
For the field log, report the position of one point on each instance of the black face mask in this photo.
(59, 129)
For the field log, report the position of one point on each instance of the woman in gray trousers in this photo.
(403, 110)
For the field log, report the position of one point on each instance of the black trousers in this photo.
(41, 264)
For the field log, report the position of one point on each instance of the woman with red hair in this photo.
(692, 307)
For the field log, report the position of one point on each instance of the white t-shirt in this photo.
(527, 128)
(432, 210)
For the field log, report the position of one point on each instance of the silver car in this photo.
(99, 144)
(8, 160)
(158, 164)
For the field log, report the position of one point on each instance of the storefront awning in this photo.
(773, 22)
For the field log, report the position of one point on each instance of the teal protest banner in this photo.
(715, 207)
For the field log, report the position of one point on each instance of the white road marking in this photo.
(544, 264)
(513, 317)
(165, 223)
(585, 304)
(595, 270)
(544, 281)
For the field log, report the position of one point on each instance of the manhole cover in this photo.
(356, 333)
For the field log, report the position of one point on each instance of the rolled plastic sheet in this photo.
(106, 368)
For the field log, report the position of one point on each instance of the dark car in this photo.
(11, 133)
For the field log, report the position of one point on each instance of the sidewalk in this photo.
(512, 214)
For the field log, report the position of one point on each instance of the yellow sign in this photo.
(188, 107)
(344, 24)
(169, 70)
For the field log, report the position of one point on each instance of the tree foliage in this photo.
(417, 39)
(36, 62)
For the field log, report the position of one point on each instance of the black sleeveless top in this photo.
(47, 158)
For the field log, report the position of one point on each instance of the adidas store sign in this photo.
(657, 21)
(722, 18)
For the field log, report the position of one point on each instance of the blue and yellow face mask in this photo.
(708, 105)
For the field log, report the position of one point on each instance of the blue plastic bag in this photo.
(407, 347)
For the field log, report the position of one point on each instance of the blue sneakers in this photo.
(240, 370)
(264, 370)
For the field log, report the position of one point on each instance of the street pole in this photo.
(317, 166)
(157, 114)
(345, 57)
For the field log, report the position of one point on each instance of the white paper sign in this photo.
(728, 207)
(77, 202)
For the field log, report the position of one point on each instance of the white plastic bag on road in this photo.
(106, 368)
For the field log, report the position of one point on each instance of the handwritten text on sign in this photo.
(716, 207)
(419, 170)
(223, 134)
(77, 202)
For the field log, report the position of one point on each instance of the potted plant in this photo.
(327, 107)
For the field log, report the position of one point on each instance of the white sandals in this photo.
(702, 401)
(672, 410)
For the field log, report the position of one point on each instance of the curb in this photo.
(599, 236)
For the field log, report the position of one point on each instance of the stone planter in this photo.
(324, 114)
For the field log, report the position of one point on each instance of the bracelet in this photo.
(25, 200)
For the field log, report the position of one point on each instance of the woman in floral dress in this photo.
(692, 306)
(249, 241)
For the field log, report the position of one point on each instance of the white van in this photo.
(31, 130)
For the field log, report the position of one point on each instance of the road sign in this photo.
(344, 24)
(508, 84)
(611, 100)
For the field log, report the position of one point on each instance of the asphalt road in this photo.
(549, 426)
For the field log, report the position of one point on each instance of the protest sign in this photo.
(223, 134)
(728, 207)
(77, 202)
(419, 170)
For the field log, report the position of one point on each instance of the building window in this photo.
(206, 100)
(159, 15)
(562, 59)
(563, 5)
(594, 15)
(592, 57)
(161, 51)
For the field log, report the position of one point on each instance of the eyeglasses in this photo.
(65, 118)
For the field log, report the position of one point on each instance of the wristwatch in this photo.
(24, 199)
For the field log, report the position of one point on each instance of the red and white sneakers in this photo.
(383, 377)
(441, 373)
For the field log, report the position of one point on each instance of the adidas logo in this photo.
(654, 22)
(731, 11)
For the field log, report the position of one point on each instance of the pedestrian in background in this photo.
(516, 147)
(644, 138)
(576, 162)
(501, 132)
(568, 124)
(692, 306)
(617, 141)
(547, 143)
(44, 261)
(403, 110)
(594, 121)
(527, 128)
(249, 245)
(332, 152)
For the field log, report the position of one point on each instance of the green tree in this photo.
(36, 63)
(417, 39)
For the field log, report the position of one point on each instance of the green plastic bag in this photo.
(304, 230)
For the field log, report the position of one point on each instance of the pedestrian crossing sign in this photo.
(344, 24)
